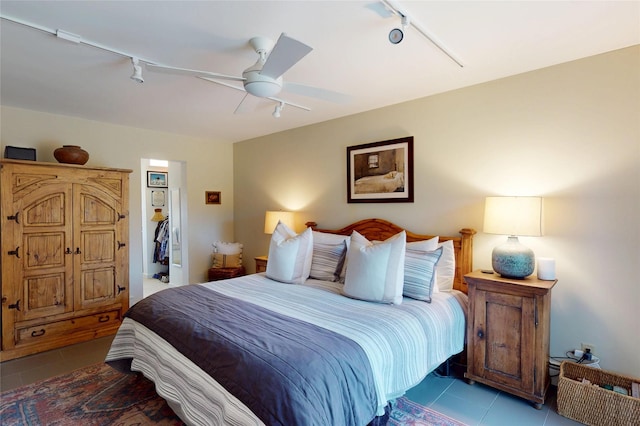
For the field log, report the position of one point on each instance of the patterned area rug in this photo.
(99, 395)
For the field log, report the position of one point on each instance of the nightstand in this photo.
(261, 264)
(508, 334)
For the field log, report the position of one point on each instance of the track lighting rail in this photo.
(398, 10)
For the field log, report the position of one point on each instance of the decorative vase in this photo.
(512, 259)
(71, 154)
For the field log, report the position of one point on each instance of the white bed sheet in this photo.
(403, 343)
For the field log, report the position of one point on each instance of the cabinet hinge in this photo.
(14, 217)
(15, 305)
(535, 311)
(15, 252)
(535, 374)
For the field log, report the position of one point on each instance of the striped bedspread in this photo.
(403, 343)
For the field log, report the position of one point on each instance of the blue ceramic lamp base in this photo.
(512, 259)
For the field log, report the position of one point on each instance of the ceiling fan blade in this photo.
(285, 54)
(185, 71)
(223, 84)
(248, 104)
(316, 92)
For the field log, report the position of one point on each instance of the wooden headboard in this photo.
(380, 229)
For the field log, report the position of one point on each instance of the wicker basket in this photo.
(216, 274)
(593, 405)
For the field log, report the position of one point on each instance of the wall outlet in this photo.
(589, 346)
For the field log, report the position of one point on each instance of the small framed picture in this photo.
(157, 179)
(157, 198)
(212, 197)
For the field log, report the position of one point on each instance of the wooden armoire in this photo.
(65, 254)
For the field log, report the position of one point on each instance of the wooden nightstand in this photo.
(261, 264)
(508, 334)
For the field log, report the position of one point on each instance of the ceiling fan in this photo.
(264, 78)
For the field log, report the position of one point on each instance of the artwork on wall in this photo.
(380, 172)
(157, 179)
(157, 198)
(212, 197)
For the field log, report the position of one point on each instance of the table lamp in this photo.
(513, 216)
(271, 219)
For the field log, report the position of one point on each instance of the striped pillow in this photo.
(327, 260)
(419, 273)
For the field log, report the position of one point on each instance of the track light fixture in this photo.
(278, 110)
(396, 35)
(137, 71)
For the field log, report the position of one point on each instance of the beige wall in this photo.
(569, 133)
(209, 167)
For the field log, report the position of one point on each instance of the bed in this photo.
(389, 182)
(253, 350)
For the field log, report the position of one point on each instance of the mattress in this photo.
(402, 343)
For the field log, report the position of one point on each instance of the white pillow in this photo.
(290, 255)
(226, 255)
(227, 248)
(420, 273)
(446, 269)
(424, 245)
(375, 272)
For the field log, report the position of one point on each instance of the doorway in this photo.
(164, 204)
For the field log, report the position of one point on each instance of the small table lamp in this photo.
(513, 216)
(271, 219)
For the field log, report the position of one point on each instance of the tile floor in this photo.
(470, 404)
(152, 285)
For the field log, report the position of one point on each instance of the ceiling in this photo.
(351, 55)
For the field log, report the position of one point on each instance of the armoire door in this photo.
(100, 247)
(41, 262)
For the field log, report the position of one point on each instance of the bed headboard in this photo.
(380, 229)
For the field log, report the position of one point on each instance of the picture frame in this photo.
(213, 197)
(157, 179)
(158, 198)
(381, 172)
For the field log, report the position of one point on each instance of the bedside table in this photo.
(508, 334)
(261, 264)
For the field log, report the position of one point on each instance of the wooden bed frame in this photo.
(380, 229)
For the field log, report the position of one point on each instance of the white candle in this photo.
(546, 268)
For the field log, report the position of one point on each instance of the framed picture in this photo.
(380, 172)
(157, 198)
(157, 179)
(212, 197)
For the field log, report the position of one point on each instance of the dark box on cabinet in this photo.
(18, 153)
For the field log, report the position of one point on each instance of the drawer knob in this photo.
(480, 334)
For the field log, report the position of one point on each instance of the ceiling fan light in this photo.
(263, 89)
(137, 71)
(277, 110)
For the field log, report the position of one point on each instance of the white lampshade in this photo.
(271, 219)
(513, 216)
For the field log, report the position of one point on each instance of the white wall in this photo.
(569, 133)
(209, 167)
